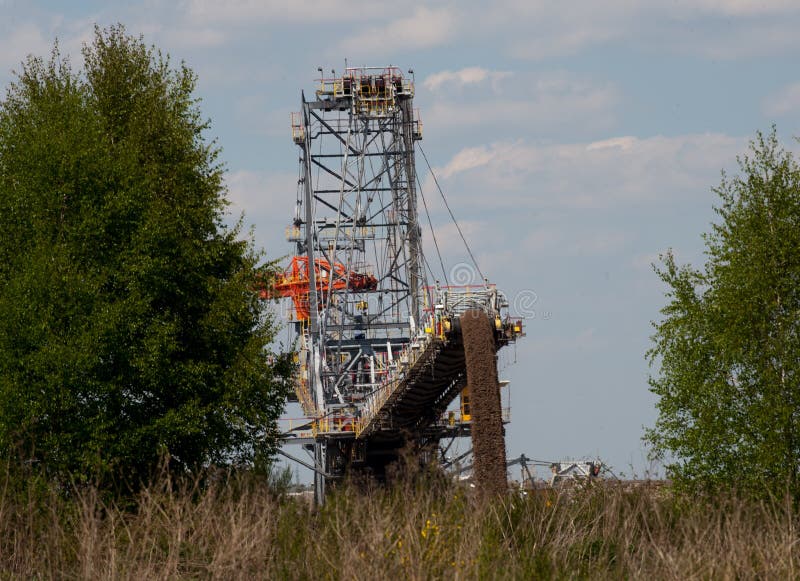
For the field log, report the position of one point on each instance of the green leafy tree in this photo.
(728, 344)
(129, 329)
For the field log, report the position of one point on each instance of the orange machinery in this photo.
(295, 282)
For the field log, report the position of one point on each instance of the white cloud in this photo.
(719, 29)
(528, 204)
(462, 77)
(37, 38)
(737, 8)
(621, 143)
(467, 159)
(26, 39)
(538, 29)
(785, 101)
(448, 238)
(257, 194)
(259, 12)
(425, 28)
(526, 101)
(600, 174)
(530, 29)
(258, 191)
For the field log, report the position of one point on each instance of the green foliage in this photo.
(728, 345)
(128, 325)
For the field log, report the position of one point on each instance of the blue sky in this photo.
(575, 142)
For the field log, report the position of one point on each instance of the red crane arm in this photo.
(295, 282)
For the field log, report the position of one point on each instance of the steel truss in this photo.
(379, 356)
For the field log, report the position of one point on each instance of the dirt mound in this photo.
(488, 439)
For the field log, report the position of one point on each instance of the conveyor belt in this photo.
(424, 393)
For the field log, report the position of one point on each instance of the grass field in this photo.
(421, 528)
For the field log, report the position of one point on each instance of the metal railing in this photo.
(298, 132)
(456, 418)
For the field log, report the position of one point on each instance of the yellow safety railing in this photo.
(298, 132)
(286, 425)
(301, 390)
(455, 417)
(293, 233)
(375, 93)
(416, 128)
(329, 425)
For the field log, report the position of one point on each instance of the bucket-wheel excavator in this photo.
(380, 348)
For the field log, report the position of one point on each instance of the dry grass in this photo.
(416, 530)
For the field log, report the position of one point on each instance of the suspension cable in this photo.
(460, 233)
(433, 234)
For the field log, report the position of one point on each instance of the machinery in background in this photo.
(377, 336)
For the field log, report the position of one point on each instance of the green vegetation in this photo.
(728, 346)
(238, 529)
(128, 326)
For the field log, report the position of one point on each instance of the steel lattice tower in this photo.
(377, 348)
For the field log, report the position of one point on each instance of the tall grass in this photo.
(237, 528)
